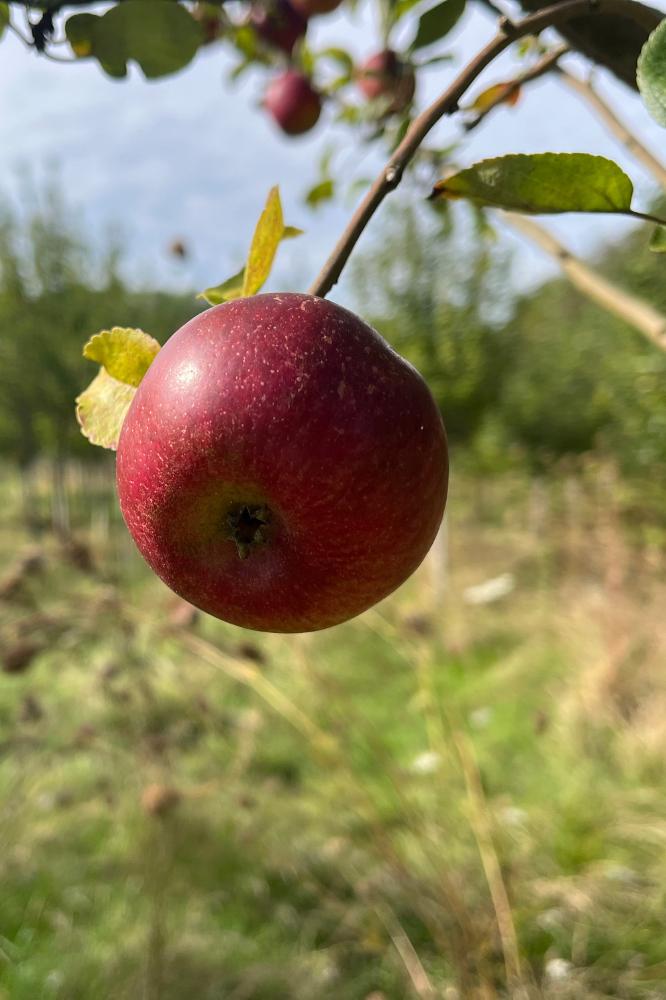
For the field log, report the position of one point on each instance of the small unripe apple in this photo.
(293, 102)
(386, 75)
(278, 23)
(281, 467)
(309, 8)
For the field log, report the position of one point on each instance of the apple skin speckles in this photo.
(307, 415)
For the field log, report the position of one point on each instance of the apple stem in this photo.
(447, 104)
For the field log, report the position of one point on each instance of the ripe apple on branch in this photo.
(278, 464)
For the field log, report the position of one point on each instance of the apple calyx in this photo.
(247, 527)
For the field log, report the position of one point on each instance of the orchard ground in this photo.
(187, 808)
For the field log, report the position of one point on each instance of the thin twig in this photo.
(31, 45)
(390, 177)
(615, 125)
(540, 68)
(645, 216)
(634, 311)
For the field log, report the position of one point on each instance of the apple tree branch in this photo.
(447, 103)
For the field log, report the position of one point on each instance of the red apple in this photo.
(309, 8)
(281, 467)
(293, 102)
(386, 75)
(278, 23)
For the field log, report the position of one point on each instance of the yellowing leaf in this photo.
(126, 354)
(230, 289)
(265, 242)
(80, 29)
(507, 93)
(543, 183)
(102, 407)
(82, 49)
(268, 233)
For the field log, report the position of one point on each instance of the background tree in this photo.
(450, 328)
(56, 287)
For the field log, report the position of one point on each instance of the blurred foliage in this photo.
(581, 379)
(55, 292)
(192, 809)
(532, 379)
(528, 380)
(438, 297)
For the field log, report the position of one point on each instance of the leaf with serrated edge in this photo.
(437, 22)
(651, 73)
(230, 289)
(125, 353)
(101, 409)
(265, 242)
(658, 240)
(542, 183)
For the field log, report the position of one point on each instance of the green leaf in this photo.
(306, 58)
(651, 73)
(102, 407)
(402, 7)
(323, 191)
(126, 354)
(230, 289)
(341, 57)
(80, 30)
(267, 235)
(658, 240)
(437, 22)
(543, 183)
(160, 35)
(4, 17)
(245, 38)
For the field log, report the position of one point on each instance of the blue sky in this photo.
(193, 156)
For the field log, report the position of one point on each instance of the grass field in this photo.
(457, 795)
